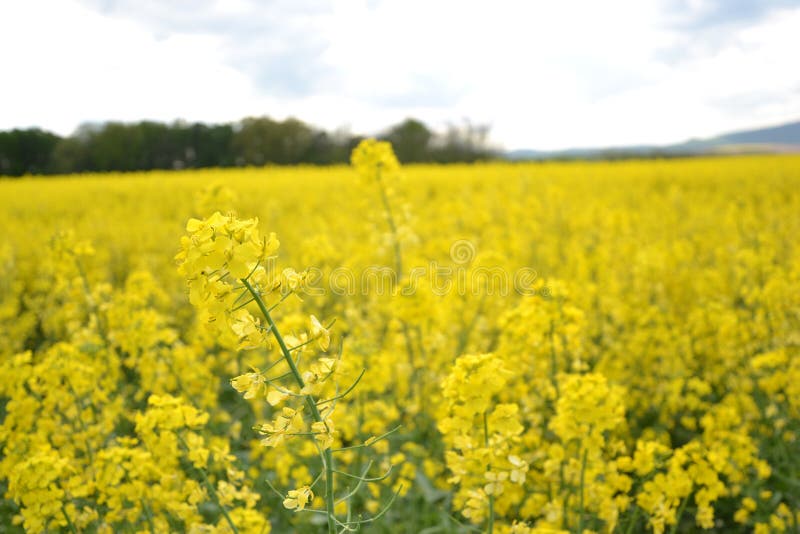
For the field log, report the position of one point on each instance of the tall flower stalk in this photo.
(228, 265)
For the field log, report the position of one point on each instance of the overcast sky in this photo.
(543, 75)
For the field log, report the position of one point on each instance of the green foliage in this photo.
(148, 145)
(26, 151)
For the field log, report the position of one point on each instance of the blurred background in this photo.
(106, 85)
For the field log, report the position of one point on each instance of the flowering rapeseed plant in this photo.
(225, 261)
(642, 376)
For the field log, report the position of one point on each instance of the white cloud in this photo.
(65, 65)
(544, 75)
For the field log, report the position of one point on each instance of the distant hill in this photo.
(775, 139)
(786, 134)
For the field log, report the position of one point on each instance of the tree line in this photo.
(147, 145)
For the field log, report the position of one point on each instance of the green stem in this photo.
(327, 456)
(398, 257)
(79, 402)
(490, 523)
(371, 441)
(242, 305)
(361, 480)
(69, 523)
(553, 361)
(398, 261)
(211, 489)
(148, 514)
(93, 307)
(410, 351)
(581, 491)
(346, 392)
(680, 514)
(633, 521)
(466, 332)
(213, 492)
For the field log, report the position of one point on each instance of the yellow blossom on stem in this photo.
(297, 499)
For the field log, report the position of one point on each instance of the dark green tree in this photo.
(146, 145)
(261, 140)
(410, 140)
(26, 152)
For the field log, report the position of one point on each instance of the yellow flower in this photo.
(248, 329)
(495, 484)
(297, 499)
(287, 424)
(323, 433)
(249, 383)
(373, 159)
(320, 333)
(275, 396)
(519, 469)
(291, 280)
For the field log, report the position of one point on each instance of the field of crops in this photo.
(539, 347)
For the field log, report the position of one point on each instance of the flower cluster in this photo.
(217, 252)
(484, 437)
(373, 158)
(226, 264)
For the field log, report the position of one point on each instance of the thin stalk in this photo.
(69, 522)
(463, 526)
(283, 297)
(490, 524)
(680, 514)
(242, 294)
(633, 520)
(78, 401)
(212, 491)
(242, 305)
(314, 483)
(274, 489)
(342, 395)
(379, 514)
(398, 257)
(349, 513)
(553, 362)
(292, 349)
(581, 491)
(364, 478)
(327, 456)
(371, 441)
(93, 308)
(148, 514)
(466, 332)
(361, 479)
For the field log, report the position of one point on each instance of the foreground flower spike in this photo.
(224, 260)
